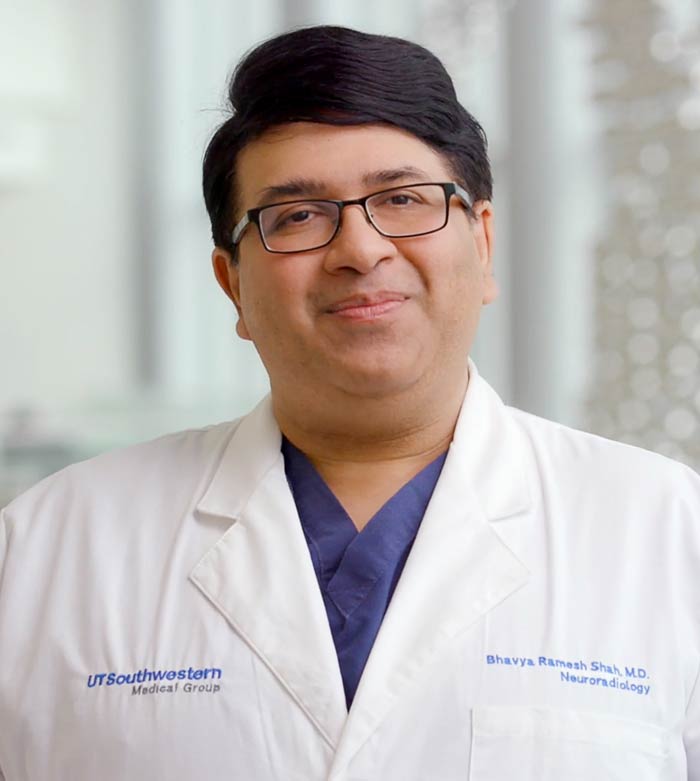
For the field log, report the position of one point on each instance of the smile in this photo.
(367, 307)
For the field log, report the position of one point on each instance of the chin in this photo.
(376, 381)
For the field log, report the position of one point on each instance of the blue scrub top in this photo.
(357, 571)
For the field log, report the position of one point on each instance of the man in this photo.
(381, 572)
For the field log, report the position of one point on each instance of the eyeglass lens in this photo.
(401, 211)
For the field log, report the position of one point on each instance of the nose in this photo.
(358, 245)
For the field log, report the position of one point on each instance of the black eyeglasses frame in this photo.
(253, 215)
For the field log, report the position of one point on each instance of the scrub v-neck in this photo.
(357, 572)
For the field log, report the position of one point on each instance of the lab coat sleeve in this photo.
(3, 549)
(691, 730)
(3, 541)
(691, 735)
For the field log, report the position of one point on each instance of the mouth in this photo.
(367, 307)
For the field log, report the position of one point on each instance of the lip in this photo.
(367, 306)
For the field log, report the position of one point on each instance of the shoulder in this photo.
(170, 464)
(591, 463)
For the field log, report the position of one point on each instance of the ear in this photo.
(227, 273)
(482, 230)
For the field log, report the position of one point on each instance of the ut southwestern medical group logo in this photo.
(187, 680)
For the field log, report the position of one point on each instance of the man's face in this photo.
(366, 315)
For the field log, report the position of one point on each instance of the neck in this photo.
(366, 450)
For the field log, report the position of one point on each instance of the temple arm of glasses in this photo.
(238, 230)
(463, 195)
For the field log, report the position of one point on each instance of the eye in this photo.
(303, 215)
(400, 199)
(292, 218)
(397, 200)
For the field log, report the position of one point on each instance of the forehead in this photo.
(334, 161)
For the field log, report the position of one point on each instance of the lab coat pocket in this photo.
(543, 744)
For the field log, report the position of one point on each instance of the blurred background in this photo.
(112, 327)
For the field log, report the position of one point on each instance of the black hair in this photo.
(340, 76)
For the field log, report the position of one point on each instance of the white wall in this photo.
(65, 330)
(112, 327)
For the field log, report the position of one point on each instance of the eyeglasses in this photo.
(399, 212)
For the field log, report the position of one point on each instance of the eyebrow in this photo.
(304, 187)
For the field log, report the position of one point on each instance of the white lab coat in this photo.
(548, 561)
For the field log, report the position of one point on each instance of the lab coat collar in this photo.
(491, 450)
(260, 576)
(460, 567)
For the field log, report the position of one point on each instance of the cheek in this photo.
(467, 270)
(271, 302)
(457, 289)
(450, 272)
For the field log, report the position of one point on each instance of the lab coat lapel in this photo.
(459, 568)
(260, 576)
